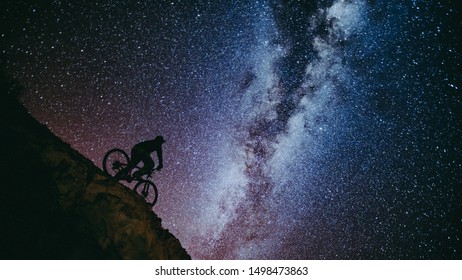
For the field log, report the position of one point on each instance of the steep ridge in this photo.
(55, 204)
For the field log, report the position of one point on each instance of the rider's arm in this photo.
(159, 157)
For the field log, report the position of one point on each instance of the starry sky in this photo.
(295, 129)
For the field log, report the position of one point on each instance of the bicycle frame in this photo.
(120, 166)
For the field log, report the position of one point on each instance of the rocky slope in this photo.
(55, 204)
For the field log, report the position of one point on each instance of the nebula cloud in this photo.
(281, 126)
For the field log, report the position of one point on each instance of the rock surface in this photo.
(55, 204)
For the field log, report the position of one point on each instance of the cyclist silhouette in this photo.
(141, 152)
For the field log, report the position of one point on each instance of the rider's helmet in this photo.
(159, 139)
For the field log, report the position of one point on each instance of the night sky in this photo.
(295, 129)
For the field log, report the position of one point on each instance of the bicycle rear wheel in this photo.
(114, 161)
(148, 190)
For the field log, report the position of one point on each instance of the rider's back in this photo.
(148, 146)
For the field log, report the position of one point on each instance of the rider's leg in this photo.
(135, 158)
(123, 174)
(148, 165)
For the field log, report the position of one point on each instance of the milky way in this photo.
(295, 129)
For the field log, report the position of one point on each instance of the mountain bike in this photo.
(114, 164)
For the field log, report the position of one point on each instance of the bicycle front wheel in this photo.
(114, 161)
(148, 190)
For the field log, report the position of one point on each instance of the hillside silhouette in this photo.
(56, 204)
